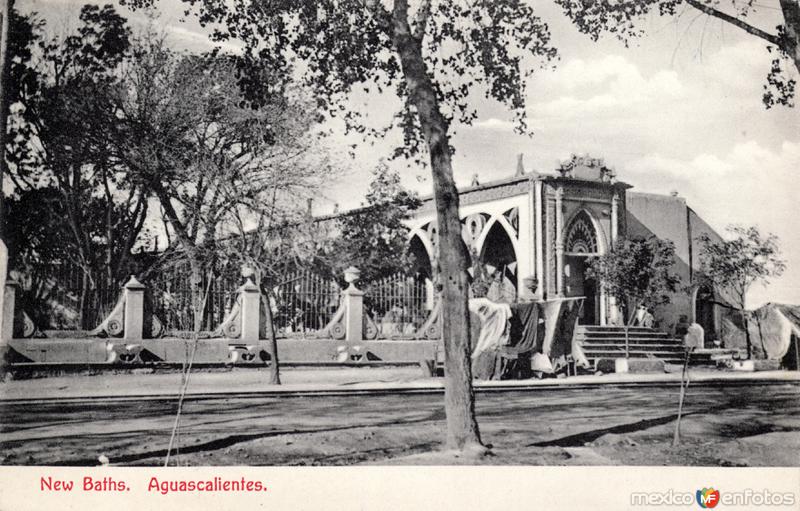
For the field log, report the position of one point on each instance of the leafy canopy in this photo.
(638, 270)
(337, 46)
(625, 19)
(375, 237)
(736, 264)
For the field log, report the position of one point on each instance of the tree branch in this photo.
(421, 20)
(697, 4)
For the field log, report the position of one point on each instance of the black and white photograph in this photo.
(555, 235)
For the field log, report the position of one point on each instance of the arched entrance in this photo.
(499, 265)
(581, 244)
(421, 264)
(704, 311)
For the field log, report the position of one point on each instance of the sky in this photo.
(680, 110)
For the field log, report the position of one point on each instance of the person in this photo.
(681, 327)
(643, 317)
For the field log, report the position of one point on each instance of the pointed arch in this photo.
(422, 258)
(498, 255)
(584, 235)
(501, 222)
(421, 233)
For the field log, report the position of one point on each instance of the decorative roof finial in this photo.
(520, 166)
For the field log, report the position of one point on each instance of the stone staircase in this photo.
(609, 342)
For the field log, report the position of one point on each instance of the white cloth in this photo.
(494, 324)
(694, 336)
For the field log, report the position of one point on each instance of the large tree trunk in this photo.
(196, 266)
(5, 20)
(791, 17)
(462, 428)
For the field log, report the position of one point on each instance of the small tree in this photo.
(374, 238)
(637, 272)
(735, 265)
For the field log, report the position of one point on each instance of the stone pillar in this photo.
(251, 302)
(134, 310)
(614, 219)
(9, 304)
(549, 241)
(560, 241)
(538, 235)
(353, 307)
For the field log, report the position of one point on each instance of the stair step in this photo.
(615, 340)
(638, 347)
(632, 354)
(622, 334)
(601, 328)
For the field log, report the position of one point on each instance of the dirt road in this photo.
(754, 425)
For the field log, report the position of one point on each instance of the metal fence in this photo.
(398, 304)
(304, 302)
(171, 296)
(63, 297)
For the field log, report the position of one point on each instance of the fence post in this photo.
(134, 310)
(251, 298)
(9, 305)
(353, 306)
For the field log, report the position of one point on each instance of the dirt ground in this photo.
(740, 425)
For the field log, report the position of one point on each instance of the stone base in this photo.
(755, 365)
(630, 365)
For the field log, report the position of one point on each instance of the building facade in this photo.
(546, 227)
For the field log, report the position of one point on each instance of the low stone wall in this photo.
(215, 351)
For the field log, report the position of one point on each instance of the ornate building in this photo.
(546, 226)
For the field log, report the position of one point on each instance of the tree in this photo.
(433, 58)
(61, 134)
(637, 272)
(205, 151)
(374, 238)
(624, 19)
(738, 263)
(269, 244)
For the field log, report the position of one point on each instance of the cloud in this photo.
(493, 123)
(749, 185)
(611, 85)
(194, 40)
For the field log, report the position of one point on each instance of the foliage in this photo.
(374, 238)
(64, 171)
(638, 271)
(62, 128)
(625, 19)
(347, 44)
(736, 264)
(204, 150)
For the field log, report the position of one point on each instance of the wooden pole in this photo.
(676, 439)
